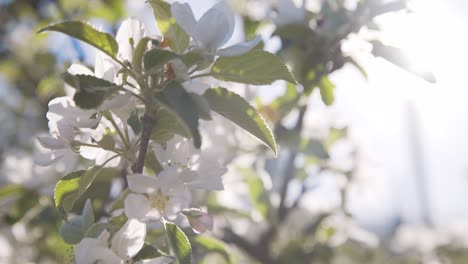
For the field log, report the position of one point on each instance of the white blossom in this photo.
(212, 30)
(125, 244)
(155, 197)
(194, 168)
(130, 32)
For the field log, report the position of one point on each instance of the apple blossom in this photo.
(194, 168)
(125, 244)
(212, 30)
(155, 197)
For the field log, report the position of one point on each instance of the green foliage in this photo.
(327, 90)
(76, 228)
(211, 244)
(167, 125)
(256, 67)
(180, 104)
(172, 32)
(148, 252)
(85, 32)
(119, 202)
(139, 52)
(71, 187)
(91, 91)
(257, 193)
(179, 243)
(155, 59)
(240, 112)
(71, 232)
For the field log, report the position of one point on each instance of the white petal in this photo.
(90, 251)
(239, 48)
(215, 27)
(161, 154)
(131, 28)
(185, 152)
(169, 183)
(48, 158)
(140, 183)
(137, 206)
(105, 68)
(158, 260)
(183, 14)
(50, 142)
(129, 239)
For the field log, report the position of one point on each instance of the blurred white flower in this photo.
(212, 30)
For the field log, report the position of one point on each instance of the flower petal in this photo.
(158, 260)
(140, 183)
(183, 14)
(215, 27)
(91, 250)
(137, 206)
(50, 142)
(131, 28)
(239, 48)
(129, 239)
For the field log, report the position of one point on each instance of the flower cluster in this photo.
(113, 118)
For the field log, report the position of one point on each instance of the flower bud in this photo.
(200, 221)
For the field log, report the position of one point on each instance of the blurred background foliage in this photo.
(274, 224)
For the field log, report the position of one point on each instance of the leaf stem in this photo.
(124, 140)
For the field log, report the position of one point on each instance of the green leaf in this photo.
(91, 91)
(139, 52)
(255, 67)
(86, 33)
(239, 111)
(167, 125)
(157, 58)
(147, 252)
(119, 202)
(314, 148)
(152, 163)
(71, 187)
(212, 244)
(327, 90)
(66, 192)
(88, 216)
(177, 37)
(179, 243)
(10, 190)
(257, 194)
(203, 108)
(95, 230)
(180, 104)
(71, 232)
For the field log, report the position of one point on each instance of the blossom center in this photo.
(158, 200)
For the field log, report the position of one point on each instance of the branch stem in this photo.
(148, 120)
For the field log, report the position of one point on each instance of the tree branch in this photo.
(148, 120)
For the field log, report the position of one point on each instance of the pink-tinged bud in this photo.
(200, 221)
